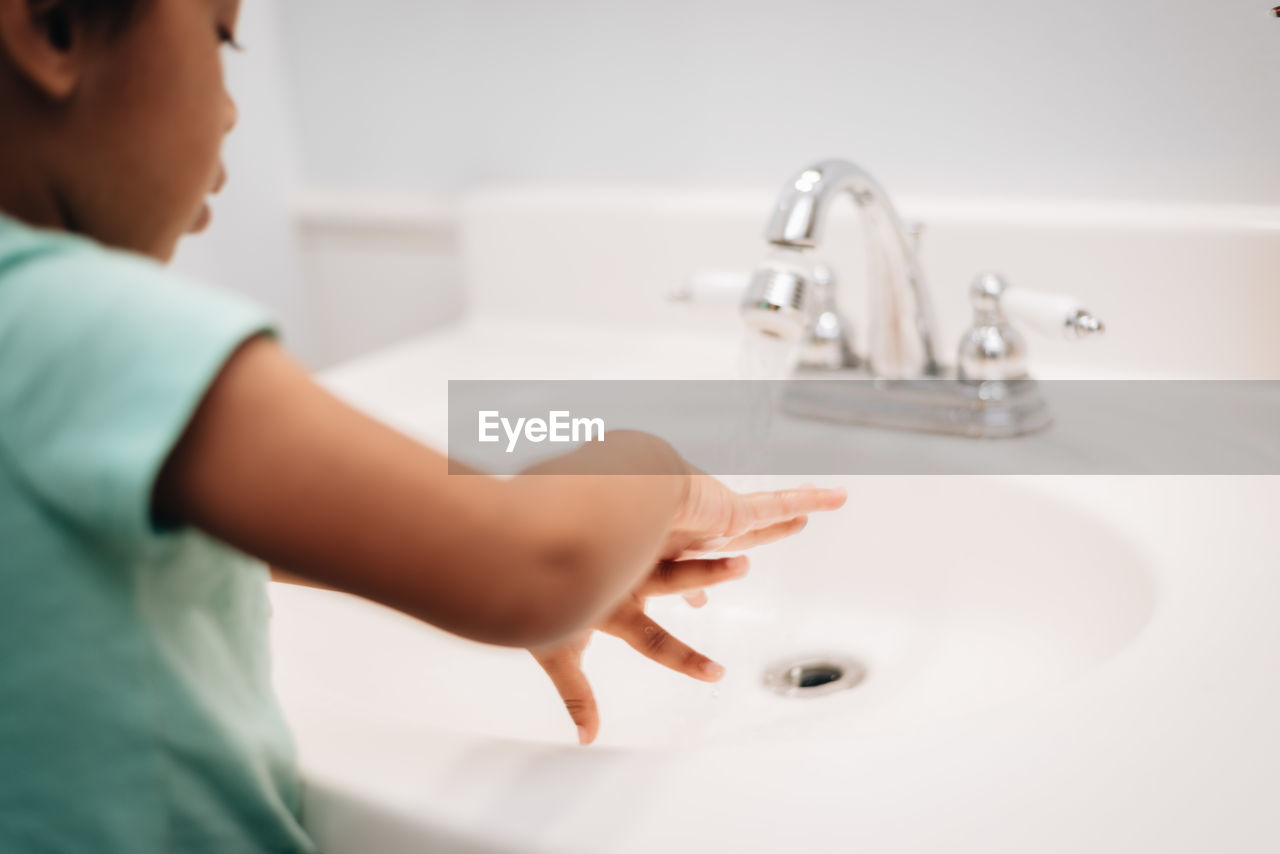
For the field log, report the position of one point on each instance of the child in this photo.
(154, 435)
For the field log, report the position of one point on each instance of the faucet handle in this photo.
(992, 350)
(711, 287)
(1052, 314)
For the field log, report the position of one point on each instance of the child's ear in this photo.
(45, 43)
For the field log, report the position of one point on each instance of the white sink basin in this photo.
(1054, 664)
(955, 594)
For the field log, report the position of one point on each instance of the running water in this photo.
(764, 361)
(767, 357)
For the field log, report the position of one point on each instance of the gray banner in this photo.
(857, 426)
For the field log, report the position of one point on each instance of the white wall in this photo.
(360, 122)
(1140, 99)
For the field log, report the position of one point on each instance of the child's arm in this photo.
(280, 575)
(280, 468)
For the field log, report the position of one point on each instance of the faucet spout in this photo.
(902, 329)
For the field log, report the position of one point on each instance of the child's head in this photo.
(113, 114)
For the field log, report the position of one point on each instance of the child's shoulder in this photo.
(58, 279)
(30, 254)
(106, 355)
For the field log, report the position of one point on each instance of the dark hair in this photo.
(111, 15)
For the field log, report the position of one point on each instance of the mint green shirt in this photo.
(136, 707)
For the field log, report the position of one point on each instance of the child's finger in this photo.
(652, 640)
(695, 598)
(770, 534)
(565, 669)
(771, 507)
(676, 576)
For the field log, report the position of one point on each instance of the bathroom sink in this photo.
(1017, 652)
(996, 664)
(954, 594)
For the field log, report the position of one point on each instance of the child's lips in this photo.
(205, 215)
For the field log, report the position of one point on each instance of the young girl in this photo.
(154, 436)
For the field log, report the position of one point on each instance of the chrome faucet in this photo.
(902, 331)
(793, 295)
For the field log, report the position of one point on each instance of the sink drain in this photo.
(814, 675)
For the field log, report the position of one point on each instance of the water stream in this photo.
(764, 361)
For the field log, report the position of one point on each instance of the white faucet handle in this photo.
(1050, 314)
(712, 287)
(992, 349)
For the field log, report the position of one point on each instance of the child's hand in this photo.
(715, 518)
(712, 518)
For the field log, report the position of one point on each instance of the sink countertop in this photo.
(1170, 745)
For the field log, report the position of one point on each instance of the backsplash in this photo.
(1186, 290)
